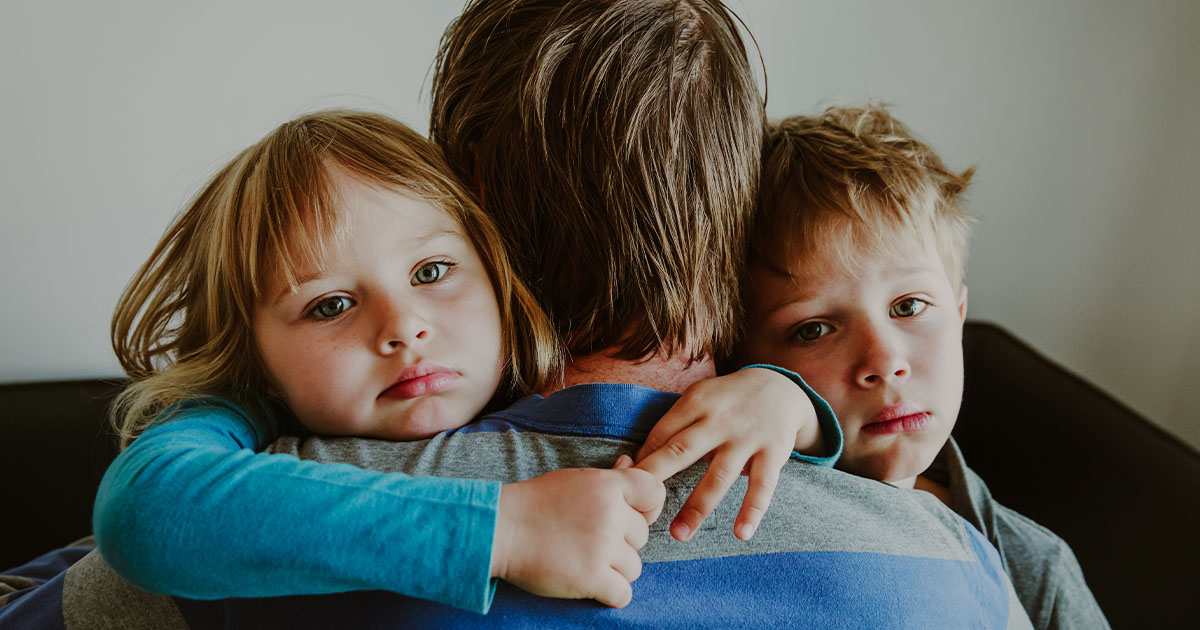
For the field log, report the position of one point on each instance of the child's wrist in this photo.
(502, 537)
(830, 439)
(809, 440)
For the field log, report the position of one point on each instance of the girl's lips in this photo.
(420, 380)
(896, 420)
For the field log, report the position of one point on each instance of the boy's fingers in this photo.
(764, 476)
(672, 422)
(624, 461)
(679, 452)
(613, 590)
(724, 470)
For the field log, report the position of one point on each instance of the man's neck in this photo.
(659, 372)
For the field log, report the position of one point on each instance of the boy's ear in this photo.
(962, 302)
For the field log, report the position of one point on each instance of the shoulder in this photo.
(1046, 575)
(1043, 568)
(1028, 541)
(1018, 537)
(253, 422)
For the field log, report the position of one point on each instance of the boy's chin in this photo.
(899, 464)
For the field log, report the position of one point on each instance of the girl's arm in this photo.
(748, 422)
(191, 509)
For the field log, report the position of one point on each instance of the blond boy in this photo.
(857, 285)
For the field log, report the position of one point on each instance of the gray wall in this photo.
(1082, 116)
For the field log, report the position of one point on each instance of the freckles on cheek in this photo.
(311, 364)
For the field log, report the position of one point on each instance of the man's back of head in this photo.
(616, 144)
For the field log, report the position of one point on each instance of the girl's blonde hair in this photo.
(183, 326)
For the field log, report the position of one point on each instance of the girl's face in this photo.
(396, 336)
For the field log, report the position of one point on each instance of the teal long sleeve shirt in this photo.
(174, 507)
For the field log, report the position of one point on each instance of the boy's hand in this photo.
(575, 533)
(745, 422)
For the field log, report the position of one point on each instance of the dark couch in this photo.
(1123, 493)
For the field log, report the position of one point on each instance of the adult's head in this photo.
(616, 144)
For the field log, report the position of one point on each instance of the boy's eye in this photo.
(331, 307)
(430, 272)
(909, 307)
(811, 331)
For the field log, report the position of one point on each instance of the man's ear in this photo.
(962, 302)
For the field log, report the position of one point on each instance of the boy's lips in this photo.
(898, 419)
(420, 379)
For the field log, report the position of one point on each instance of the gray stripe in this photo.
(814, 508)
(96, 598)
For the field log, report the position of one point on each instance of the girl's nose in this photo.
(401, 325)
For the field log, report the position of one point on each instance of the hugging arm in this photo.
(191, 509)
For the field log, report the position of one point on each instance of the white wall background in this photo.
(1083, 117)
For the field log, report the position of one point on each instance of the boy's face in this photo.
(396, 336)
(881, 342)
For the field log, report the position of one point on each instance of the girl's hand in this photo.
(575, 533)
(747, 422)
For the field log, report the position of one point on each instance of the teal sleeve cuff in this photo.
(826, 420)
(474, 576)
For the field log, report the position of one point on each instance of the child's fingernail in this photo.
(680, 531)
(745, 531)
(623, 461)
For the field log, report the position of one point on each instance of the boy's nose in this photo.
(883, 361)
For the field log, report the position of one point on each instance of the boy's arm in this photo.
(749, 422)
(1074, 606)
(190, 509)
(817, 443)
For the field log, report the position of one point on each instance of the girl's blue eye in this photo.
(431, 272)
(331, 307)
(811, 331)
(909, 307)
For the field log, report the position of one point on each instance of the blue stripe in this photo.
(797, 589)
(49, 564)
(613, 410)
(40, 607)
(35, 608)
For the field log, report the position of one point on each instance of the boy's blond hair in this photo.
(184, 326)
(855, 181)
(616, 143)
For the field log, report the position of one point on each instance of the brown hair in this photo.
(183, 327)
(616, 144)
(854, 180)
